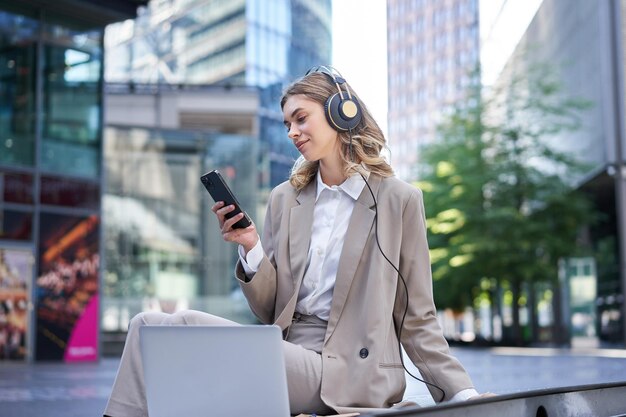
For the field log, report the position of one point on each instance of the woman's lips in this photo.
(300, 144)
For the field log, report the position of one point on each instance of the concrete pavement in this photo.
(78, 390)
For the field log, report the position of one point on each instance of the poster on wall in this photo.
(15, 276)
(67, 288)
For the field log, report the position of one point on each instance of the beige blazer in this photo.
(360, 356)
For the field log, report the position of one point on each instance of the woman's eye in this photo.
(301, 119)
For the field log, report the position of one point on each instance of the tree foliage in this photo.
(499, 195)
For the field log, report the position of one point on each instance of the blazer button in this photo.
(363, 353)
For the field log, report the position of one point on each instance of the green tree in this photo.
(501, 210)
(455, 174)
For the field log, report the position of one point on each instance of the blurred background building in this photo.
(581, 44)
(237, 42)
(194, 86)
(101, 184)
(163, 248)
(51, 171)
(433, 52)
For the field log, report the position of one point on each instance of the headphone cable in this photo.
(406, 291)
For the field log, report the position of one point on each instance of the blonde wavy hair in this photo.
(368, 140)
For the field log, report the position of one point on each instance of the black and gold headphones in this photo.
(342, 111)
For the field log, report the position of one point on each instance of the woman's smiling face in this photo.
(308, 129)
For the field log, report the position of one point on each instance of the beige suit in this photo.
(361, 365)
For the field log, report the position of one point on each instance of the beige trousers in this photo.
(303, 364)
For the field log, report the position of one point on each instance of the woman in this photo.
(343, 249)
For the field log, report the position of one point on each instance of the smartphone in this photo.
(217, 187)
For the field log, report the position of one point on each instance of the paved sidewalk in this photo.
(55, 389)
(80, 390)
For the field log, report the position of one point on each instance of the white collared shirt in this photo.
(331, 216)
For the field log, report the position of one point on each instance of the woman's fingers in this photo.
(216, 206)
(228, 223)
(483, 395)
(241, 236)
(221, 211)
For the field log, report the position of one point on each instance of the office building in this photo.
(262, 44)
(163, 246)
(433, 49)
(51, 72)
(236, 42)
(194, 85)
(256, 43)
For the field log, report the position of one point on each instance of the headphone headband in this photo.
(343, 113)
(334, 75)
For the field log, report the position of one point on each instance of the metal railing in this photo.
(588, 400)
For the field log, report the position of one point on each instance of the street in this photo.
(73, 390)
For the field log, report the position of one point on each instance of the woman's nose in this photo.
(293, 132)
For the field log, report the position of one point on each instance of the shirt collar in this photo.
(353, 186)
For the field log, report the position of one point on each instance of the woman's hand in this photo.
(483, 395)
(247, 237)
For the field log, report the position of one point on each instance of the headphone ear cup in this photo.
(342, 115)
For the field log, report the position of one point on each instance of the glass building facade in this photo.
(256, 43)
(163, 248)
(432, 53)
(51, 89)
(239, 42)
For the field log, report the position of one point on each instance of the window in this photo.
(17, 89)
(71, 104)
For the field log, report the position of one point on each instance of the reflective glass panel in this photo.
(152, 213)
(15, 225)
(17, 89)
(16, 187)
(161, 239)
(72, 104)
(69, 192)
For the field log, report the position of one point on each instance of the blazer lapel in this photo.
(359, 228)
(300, 223)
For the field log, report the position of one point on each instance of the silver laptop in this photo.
(205, 371)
